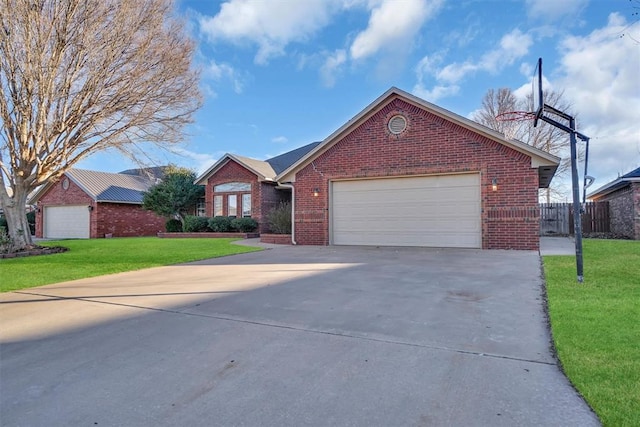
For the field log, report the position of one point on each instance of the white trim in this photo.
(538, 157)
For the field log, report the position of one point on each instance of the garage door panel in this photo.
(66, 222)
(440, 211)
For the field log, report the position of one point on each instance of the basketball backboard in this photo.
(537, 94)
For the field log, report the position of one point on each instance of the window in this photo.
(201, 208)
(217, 206)
(232, 186)
(246, 205)
(232, 205)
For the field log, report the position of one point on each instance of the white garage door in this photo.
(434, 211)
(66, 222)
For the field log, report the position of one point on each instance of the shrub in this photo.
(173, 226)
(31, 219)
(220, 224)
(244, 225)
(196, 224)
(5, 241)
(279, 219)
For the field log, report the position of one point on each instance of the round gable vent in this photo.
(397, 124)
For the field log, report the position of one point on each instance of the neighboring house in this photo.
(623, 195)
(90, 204)
(402, 172)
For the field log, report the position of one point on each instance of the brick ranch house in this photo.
(402, 172)
(623, 195)
(89, 204)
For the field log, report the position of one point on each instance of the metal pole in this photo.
(577, 222)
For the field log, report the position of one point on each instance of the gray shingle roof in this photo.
(154, 172)
(283, 161)
(265, 169)
(111, 187)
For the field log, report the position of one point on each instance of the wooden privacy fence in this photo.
(557, 218)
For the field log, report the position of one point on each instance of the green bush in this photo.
(173, 226)
(244, 225)
(279, 219)
(196, 224)
(31, 219)
(220, 224)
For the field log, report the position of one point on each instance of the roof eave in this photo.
(611, 187)
(126, 202)
(538, 157)
(202, 179)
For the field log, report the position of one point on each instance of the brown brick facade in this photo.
(624, 210)
(117, 219)
(430, 145)
(264, 195)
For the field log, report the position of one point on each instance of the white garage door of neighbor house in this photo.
(432, 211)
(66, 222)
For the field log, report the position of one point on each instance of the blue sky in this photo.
(278, 74)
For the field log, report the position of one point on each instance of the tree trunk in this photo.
(14, 211)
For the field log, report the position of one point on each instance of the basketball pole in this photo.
(573, 134)
(577, 220)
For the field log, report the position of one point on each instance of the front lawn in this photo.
(96, 257)
(596, 326)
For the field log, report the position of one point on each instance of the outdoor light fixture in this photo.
(494, 184)
(316, 192)
(90, 208)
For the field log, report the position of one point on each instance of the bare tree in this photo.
(544, 137)
(81, 76)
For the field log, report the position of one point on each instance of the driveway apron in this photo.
(289, 337)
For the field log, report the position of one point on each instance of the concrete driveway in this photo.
(289, 337)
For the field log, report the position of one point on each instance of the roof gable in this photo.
(545, 163)
(105, 186)
(266, 170)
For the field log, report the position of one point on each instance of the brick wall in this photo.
(58, 196)
(121, 220)
(125, 220)
(624, 211)
(270, 199)
(429, 145)
(263, 194)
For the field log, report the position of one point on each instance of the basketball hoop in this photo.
(515, 116)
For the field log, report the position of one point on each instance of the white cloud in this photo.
(551, 10)
(279, 139)
(270, 25)
(198, 161)
(392, 26)
(332, 65)
(599, 75)
(513, 46)
(436, 93)
(224, 72)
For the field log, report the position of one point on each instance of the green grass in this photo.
(596, 326)
(96, 257)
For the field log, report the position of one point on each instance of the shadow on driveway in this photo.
(291, 336)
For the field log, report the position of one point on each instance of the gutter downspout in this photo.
(293, 212)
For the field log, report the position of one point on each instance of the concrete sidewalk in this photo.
(557, 246)
(289, 337)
